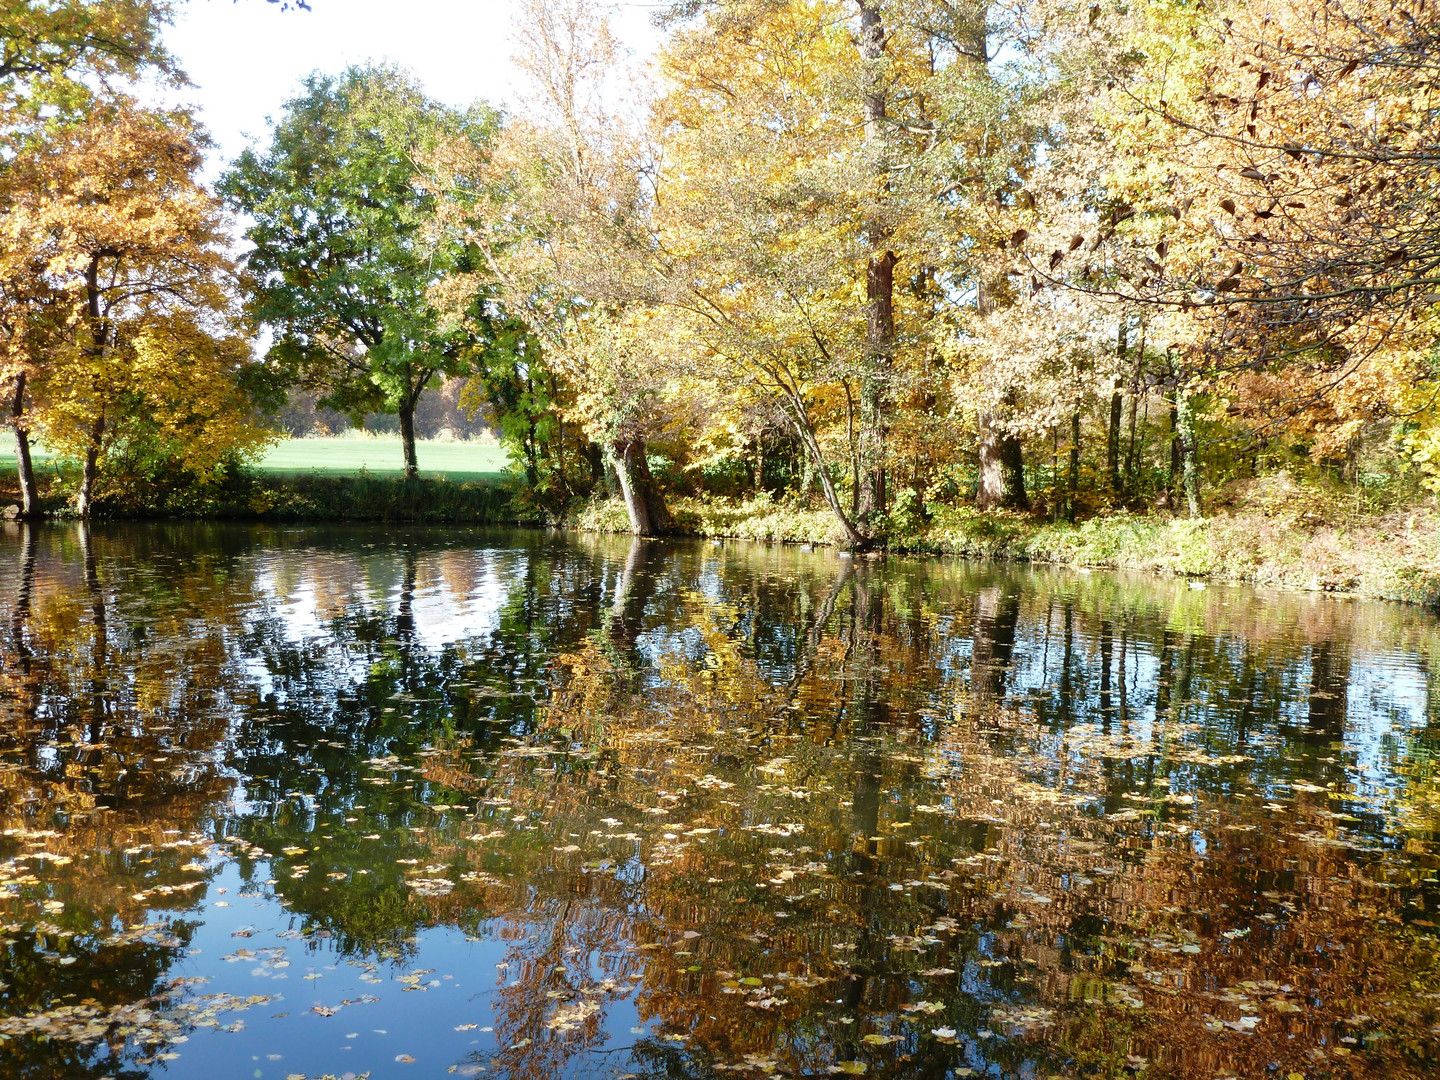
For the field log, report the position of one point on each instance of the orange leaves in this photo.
(114, 266)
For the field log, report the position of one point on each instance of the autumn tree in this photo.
(133, 315)
(569, 240)
(859, 142)
(344, 254)
(56, 60)
(1268, 206)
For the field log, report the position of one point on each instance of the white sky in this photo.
(247, 58)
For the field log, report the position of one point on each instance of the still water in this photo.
(285, 802)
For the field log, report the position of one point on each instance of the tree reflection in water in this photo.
(777, 812)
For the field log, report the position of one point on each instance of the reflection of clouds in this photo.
(1386, 697)
(457, 594)
(443, 616)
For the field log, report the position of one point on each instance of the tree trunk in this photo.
(643, 502)
(1074, 465)
(532, 454)
(24, 465)
(1127, 486)
(1117, 414)
(854, 447)
(1172, 484)
(1136, 392)
(595, 458)
(1185, 438)
(879, 277)
(850, 535)
(407, 437)
(99, 340)
(880, 345)
(89, 468)
(1056, 501)
(1002, 476)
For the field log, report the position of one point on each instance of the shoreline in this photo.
(1275, 536)
(1392, 556)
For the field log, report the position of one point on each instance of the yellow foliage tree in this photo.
(131, 323)
(1261, 178)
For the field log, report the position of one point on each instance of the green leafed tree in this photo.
(347, 246)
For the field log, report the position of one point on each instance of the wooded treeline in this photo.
(1052, 257)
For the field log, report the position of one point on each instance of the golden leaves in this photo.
(113, 260)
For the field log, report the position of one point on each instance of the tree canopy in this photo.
(880, 256)
(344, 253)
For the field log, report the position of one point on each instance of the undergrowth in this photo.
(1269, 534)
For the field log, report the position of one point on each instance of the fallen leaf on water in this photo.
(928, 1007)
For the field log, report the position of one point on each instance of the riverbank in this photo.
(314, 496)
(1268, 534)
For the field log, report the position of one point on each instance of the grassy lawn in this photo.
(346, 457)
(382, 457)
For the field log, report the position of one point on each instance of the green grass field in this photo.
(382, 457)
(347, 457)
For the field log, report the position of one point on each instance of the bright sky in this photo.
(247, 58)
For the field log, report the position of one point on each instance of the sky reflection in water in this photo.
(289, 802)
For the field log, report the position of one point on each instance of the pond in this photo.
(295, 802)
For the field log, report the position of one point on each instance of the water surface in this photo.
(290, 802)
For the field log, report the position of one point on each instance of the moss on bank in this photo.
(1269, 534)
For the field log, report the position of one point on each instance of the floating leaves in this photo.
(430, 886)
(735, 863)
